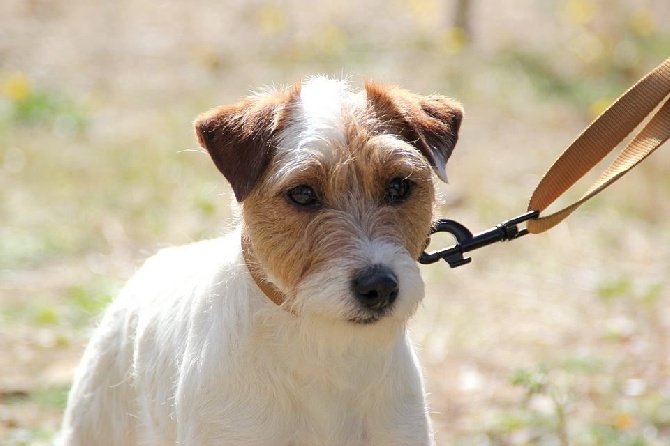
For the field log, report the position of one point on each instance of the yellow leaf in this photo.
(642, 23)
(16, 86)
(624, 422)
(271, 18)
(454, 40)
(580, 12)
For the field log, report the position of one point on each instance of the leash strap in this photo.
(602, 137)
(595, 143)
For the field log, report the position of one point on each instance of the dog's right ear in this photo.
(241, 138)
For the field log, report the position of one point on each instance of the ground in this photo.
(554, 339)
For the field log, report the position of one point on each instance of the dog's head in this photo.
(336, 191)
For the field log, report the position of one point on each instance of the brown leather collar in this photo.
(266, 286)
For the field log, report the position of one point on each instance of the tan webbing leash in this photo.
(600, 138)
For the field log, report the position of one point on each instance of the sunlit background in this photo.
(556, 339)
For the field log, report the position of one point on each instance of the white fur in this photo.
(192, 353)
(319, 114)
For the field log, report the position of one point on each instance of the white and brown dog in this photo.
(292, 329)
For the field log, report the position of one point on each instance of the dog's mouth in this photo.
(364, 320)
(370, 317)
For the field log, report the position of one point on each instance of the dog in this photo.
(292, 329)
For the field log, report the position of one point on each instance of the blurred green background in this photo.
(557, 339)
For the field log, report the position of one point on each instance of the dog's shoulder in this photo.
(205, 254)
(182, 269)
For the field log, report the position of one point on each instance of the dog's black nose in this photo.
(376, 287)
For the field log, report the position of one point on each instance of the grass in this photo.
(552, 340)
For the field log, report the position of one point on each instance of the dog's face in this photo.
(336, 191)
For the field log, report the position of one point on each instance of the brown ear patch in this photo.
(241, 138)
(430, 123)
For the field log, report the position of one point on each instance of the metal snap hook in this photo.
(455, 255)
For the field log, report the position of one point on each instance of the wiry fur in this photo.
(193, 353)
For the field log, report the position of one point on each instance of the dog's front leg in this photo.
(403, 417)
(412, 427)
(221, 400)
(101, 404)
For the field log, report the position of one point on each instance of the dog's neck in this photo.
(261, 281)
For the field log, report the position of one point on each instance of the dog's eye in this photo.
(398, 189)
(304, 196)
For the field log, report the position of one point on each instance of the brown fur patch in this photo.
(240, 138)
(430, 123)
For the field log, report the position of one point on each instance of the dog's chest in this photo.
(307, 407)
(285, 417)
(326, 415)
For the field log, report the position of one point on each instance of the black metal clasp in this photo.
(454, 255)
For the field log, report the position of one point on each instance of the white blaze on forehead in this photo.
(322, 102)
(318, 117)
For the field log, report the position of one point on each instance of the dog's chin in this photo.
(365, 320)
(370, 317)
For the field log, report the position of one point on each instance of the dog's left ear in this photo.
(429, 123)
(241, 138)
